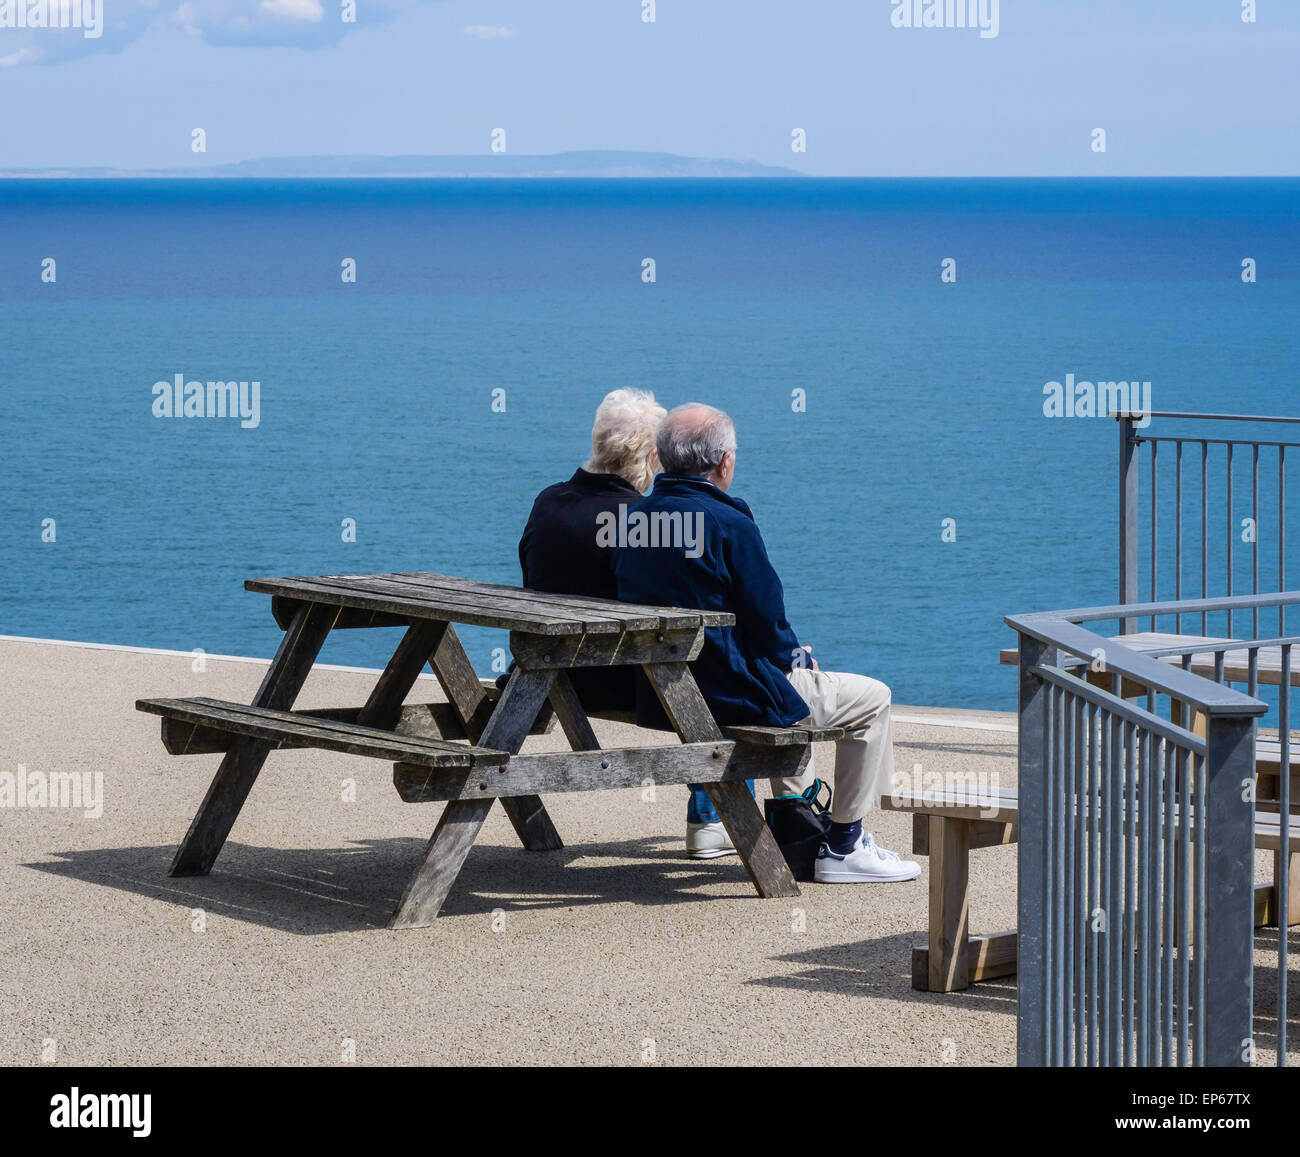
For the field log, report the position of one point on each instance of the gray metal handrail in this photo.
(1133, 440)
(1062, 632)
(1135, 830)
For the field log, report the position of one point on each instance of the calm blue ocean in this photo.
(924, 400)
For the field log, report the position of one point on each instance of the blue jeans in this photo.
(700, 809)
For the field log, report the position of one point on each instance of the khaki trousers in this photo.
(864, 758)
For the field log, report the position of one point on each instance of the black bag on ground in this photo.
(800, 824)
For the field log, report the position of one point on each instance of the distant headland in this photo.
(602, 163)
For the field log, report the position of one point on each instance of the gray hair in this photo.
(623, 436)
(693, 439)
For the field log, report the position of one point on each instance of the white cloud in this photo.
(306, 24)
(294, 11)
(26, 55)
(489, 32)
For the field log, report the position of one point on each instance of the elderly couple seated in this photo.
(580, 539)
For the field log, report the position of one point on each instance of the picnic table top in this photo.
(423, 595)
(1235, 663)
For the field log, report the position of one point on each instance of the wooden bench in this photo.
(216, 724)
(947, 827)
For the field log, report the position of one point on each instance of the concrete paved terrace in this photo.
(616, 950)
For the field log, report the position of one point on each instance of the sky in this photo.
(1181, 87)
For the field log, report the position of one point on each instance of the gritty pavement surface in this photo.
(615, 950)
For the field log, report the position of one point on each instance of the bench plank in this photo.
(289, 728)
(796, 734)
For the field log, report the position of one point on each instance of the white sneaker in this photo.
(868, 863)
(708, 841)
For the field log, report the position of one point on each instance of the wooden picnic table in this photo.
(465, 753)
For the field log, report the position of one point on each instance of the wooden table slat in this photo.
(520, 599)
(421, 607)
(665, 616)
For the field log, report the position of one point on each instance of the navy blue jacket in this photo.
(559, 553)
(741, 670)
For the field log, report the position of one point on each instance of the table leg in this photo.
(240, 766)
(694, 723)
(461, 820)
(384, 706)
(455, 672)
(572, 715)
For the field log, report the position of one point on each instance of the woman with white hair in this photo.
(559, 551)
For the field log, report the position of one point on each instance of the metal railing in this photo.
(1204, 470)
(1137, 837)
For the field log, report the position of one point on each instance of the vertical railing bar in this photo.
(1033, 762)
(1228, 523)
(1184, 890)
(1198, 911)
(1205, 532)
(1079, 818)
(1178, 531)
(1115, 903)
(1254, 546)
(1066, 892)
(1284, 856)
(1281, 537)
(1061, 1041)
(1094, 880)
(1129, 468)
(1146, 777)
(1155, 541)
(1168, 897)
(1130, 889)
(1049, 900)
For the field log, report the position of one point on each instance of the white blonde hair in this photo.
(623, 436)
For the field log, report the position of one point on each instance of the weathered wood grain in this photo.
(600, 770)
(627, 613)
(348, 738)
(240, 766)
(588, 650)
(409, 604)
(949, 904)
(462, 819)
(783, 736)
(986, 958)
(571, 714)
(462, 687)
(694, 723)
(520, 604)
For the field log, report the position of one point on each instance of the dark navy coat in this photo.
(559, 553)
(741, 670)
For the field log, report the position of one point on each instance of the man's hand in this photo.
(811, 659)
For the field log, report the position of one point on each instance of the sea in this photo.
(429, 354)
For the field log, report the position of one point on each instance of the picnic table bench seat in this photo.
(284, 729)
(795, 735)
(948, 825)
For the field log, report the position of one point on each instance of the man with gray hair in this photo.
(757, 672)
